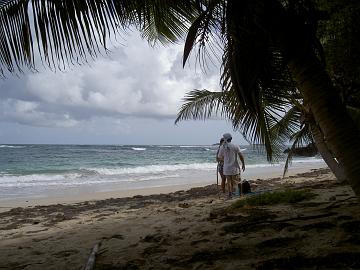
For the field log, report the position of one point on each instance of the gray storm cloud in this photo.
(133, 80)
(28, 113)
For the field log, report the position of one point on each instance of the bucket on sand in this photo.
(243, 188)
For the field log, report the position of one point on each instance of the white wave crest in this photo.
(308, 160)
(70, 180)
(190, 146)
(153, 169)
(138, 148)
(11, 146)
(37, 180)
(265, 165)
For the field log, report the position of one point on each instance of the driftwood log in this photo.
(91, 260)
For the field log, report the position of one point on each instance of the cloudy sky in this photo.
(130, 96)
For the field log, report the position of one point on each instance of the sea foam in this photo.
(11, 146)
(152, 169)
(138, 148)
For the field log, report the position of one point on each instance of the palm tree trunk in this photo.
(324, 151)
(339, 131)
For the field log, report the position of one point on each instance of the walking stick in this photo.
(217, 180)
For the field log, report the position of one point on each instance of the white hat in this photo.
(227, 136)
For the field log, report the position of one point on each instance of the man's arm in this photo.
(242, 160)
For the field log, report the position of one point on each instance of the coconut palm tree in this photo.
(252, 31)
(257, 38)
(294, 125)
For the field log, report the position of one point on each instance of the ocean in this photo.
(57, 170)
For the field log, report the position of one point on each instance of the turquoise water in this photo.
(41, 170)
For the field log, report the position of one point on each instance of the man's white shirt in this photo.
(230, 153)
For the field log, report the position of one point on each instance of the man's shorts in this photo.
(233, 178)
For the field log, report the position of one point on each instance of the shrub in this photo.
(276, 197)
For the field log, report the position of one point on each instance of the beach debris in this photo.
(184, 205)
(91, 260)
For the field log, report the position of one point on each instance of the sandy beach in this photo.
(190, 229)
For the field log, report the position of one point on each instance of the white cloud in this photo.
(27, 113)
(133, 80)
(22, 106)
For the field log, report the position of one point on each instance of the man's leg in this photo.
(229, 184)
(232, 183)
(238, 182)
(223, 181)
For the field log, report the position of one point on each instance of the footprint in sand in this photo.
(115, 236)
(203, 233)
(193, 243)
(153, 238)
(178, 220)
(36, 252)
(65, 253)
(277, 242)
(153, 250)
(183, 229)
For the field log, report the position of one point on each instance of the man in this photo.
(230, 153)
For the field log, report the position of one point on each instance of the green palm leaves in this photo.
(204, 104)
(201, 105)
(283, 124)
(70, 31)
(255, 81)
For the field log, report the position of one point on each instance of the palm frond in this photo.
(71, 31)
(164, 20)
(287, 125)
(206, 33)
(254, 71)
(300, 138)
(265, 101)
(254, 68)
(290, 154)
(200, 104)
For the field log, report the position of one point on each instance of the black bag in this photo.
(244, 187)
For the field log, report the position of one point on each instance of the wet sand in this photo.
(190, 229)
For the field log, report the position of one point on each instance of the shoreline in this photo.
(261, 173)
